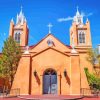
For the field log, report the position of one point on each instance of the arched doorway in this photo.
(50, 82)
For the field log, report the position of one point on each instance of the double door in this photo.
(50, 84)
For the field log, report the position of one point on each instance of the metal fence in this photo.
(89, 92)
(12, 92)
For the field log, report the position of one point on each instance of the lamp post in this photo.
(65, 73)
(35, 73)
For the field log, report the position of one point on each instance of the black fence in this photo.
(12, 92)
(90, 92)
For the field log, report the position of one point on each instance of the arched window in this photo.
(17, 37)
(81, 37)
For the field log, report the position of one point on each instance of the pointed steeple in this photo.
(21, 9)
(78, 18)
(21, 12)
(12, 20)
(20, 17)
(77, 13)
(19, 31)
(87, 20)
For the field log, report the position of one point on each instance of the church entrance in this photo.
(50, 82)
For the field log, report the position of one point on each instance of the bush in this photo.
(93, 80)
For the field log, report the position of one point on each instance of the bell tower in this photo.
(80, 35)
(19, 31)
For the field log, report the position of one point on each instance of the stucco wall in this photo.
(50, 59)
(21, 79)
(84, 64)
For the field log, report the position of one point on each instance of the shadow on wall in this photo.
(37, 77)
(68, 80)
(67, 77)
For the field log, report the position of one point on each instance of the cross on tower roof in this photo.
(21, 8)
(77, 13)
(77, 8)
(50, 25)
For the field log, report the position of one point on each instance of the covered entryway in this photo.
(50, 82)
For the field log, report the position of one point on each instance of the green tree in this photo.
(92, 55)
(93, 80)
(11, 54)
(94, 58)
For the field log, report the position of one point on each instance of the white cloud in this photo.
(90, 14)
(87, 15)
(65, 19)
(71, 18)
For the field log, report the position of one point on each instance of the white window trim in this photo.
(81, 31)
(18, 32)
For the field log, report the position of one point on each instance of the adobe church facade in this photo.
(51, 67)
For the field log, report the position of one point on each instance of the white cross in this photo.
(77, 8)
(50, 25)
(21, 7)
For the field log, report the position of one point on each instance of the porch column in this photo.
(75, 74)
(59, 84)
(41, 84)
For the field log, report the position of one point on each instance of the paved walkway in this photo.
(49, 97)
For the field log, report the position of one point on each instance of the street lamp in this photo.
(65, 73)
(35, 73)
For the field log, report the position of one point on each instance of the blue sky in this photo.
(41, 12)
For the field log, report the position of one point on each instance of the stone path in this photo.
(48, 97)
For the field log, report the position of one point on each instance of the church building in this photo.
(51, 67)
